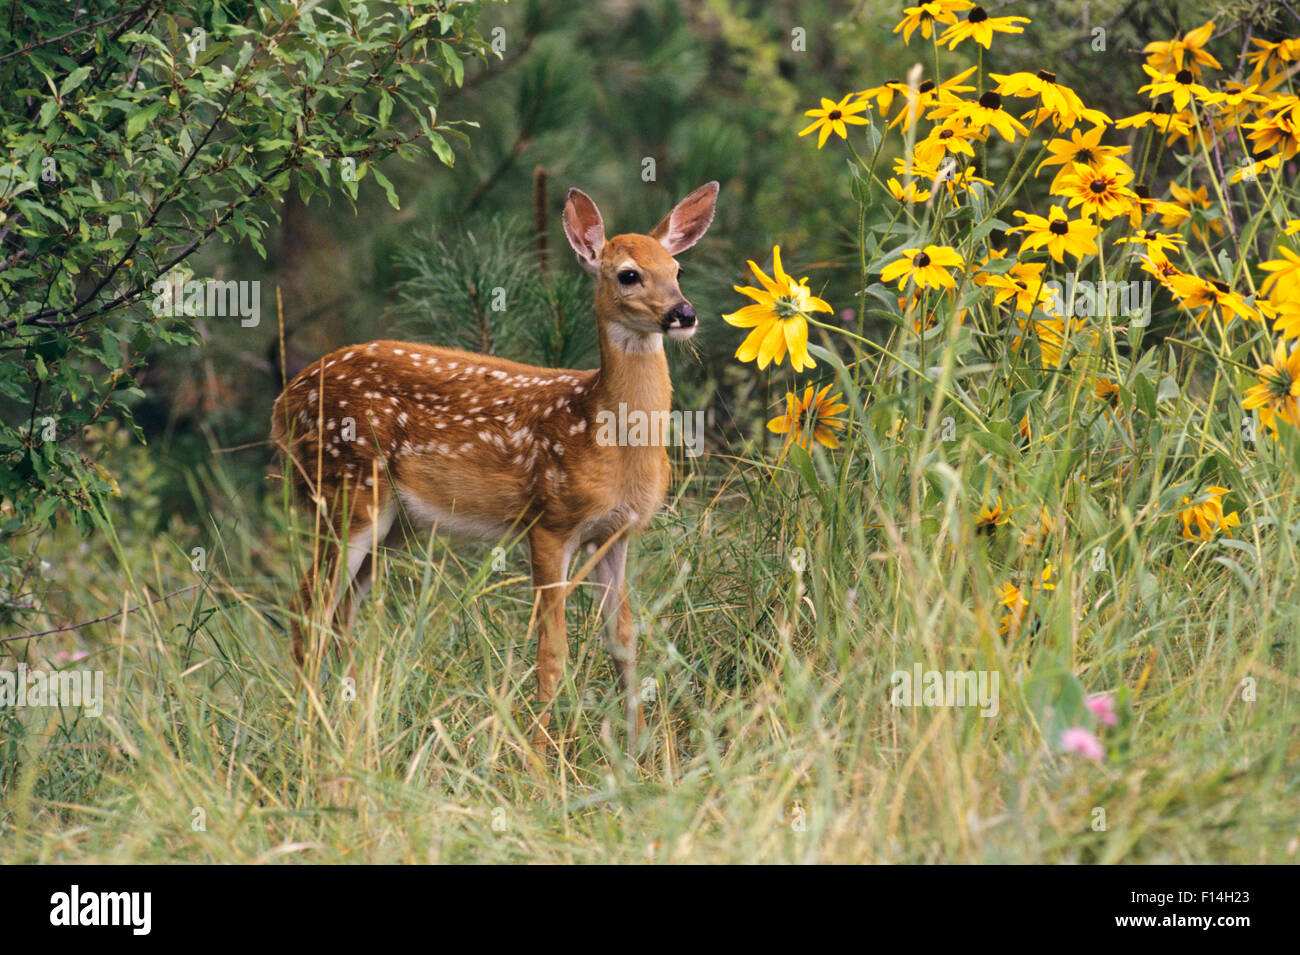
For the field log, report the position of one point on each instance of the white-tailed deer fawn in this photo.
(478, 446)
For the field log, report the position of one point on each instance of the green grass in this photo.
(772, 737)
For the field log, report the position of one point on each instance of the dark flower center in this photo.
(1084, 155)
(945, 134)
(1045, 75)
(978, 15)
(921, 260)
(1059, 227)
(1098, 186)
(1184, 77)
(1142, 192)
(990, 100)
(834, 114)
(1160, 108)
(926, 86)
(1221, 286)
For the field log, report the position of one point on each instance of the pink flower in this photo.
(1102, 706)
(1079, 740)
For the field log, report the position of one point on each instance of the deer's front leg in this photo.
(550, 557)
(611, 574)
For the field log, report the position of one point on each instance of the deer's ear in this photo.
(585, 229)
(688, 220)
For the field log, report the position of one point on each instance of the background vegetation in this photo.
(776, 594)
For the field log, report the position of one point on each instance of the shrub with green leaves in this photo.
(134, 135)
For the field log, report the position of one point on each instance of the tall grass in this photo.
(773, 607)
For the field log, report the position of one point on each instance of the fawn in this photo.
(477, 446)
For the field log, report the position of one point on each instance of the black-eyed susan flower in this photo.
(981, 115)
(1103, 193)
(883, 95)
(924, 16)
(1284, 280)
(991, 517)
(1163, 270)
(1103, 389)
(1009, 596)
(1254, 167)
(1058, 102)
(779, 317)
(927, 93)
(1277, 396)
(1160, 117)
(1058, 233)
(1185, 52)
(1155, 245)
(1201, 296)
(909, 193)
(952, 137)
(1284, 313)
(1270, 57)
(1230, 104)
(980, 27)
(811, 417)
(1179, 210)
(945, 173)
(1205, 518)
(1277, 129)
(927, 267)
(1143, 205)
(1181, 86)
(1023, 282)
(1281, 290)
(1084, 147)
(1052, 335)
(835, 118)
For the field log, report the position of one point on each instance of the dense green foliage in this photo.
(136, 135)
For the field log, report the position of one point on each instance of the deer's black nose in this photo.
(681, 315)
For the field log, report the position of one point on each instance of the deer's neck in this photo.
(633, 372)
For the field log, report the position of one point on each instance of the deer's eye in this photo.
(628, 277)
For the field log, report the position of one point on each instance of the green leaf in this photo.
(73, 80)
(802, 462)
(139, 120)
(452, 60)
(389, 191)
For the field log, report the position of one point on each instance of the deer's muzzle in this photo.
(680, 321)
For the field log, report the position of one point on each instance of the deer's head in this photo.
(637, 293)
